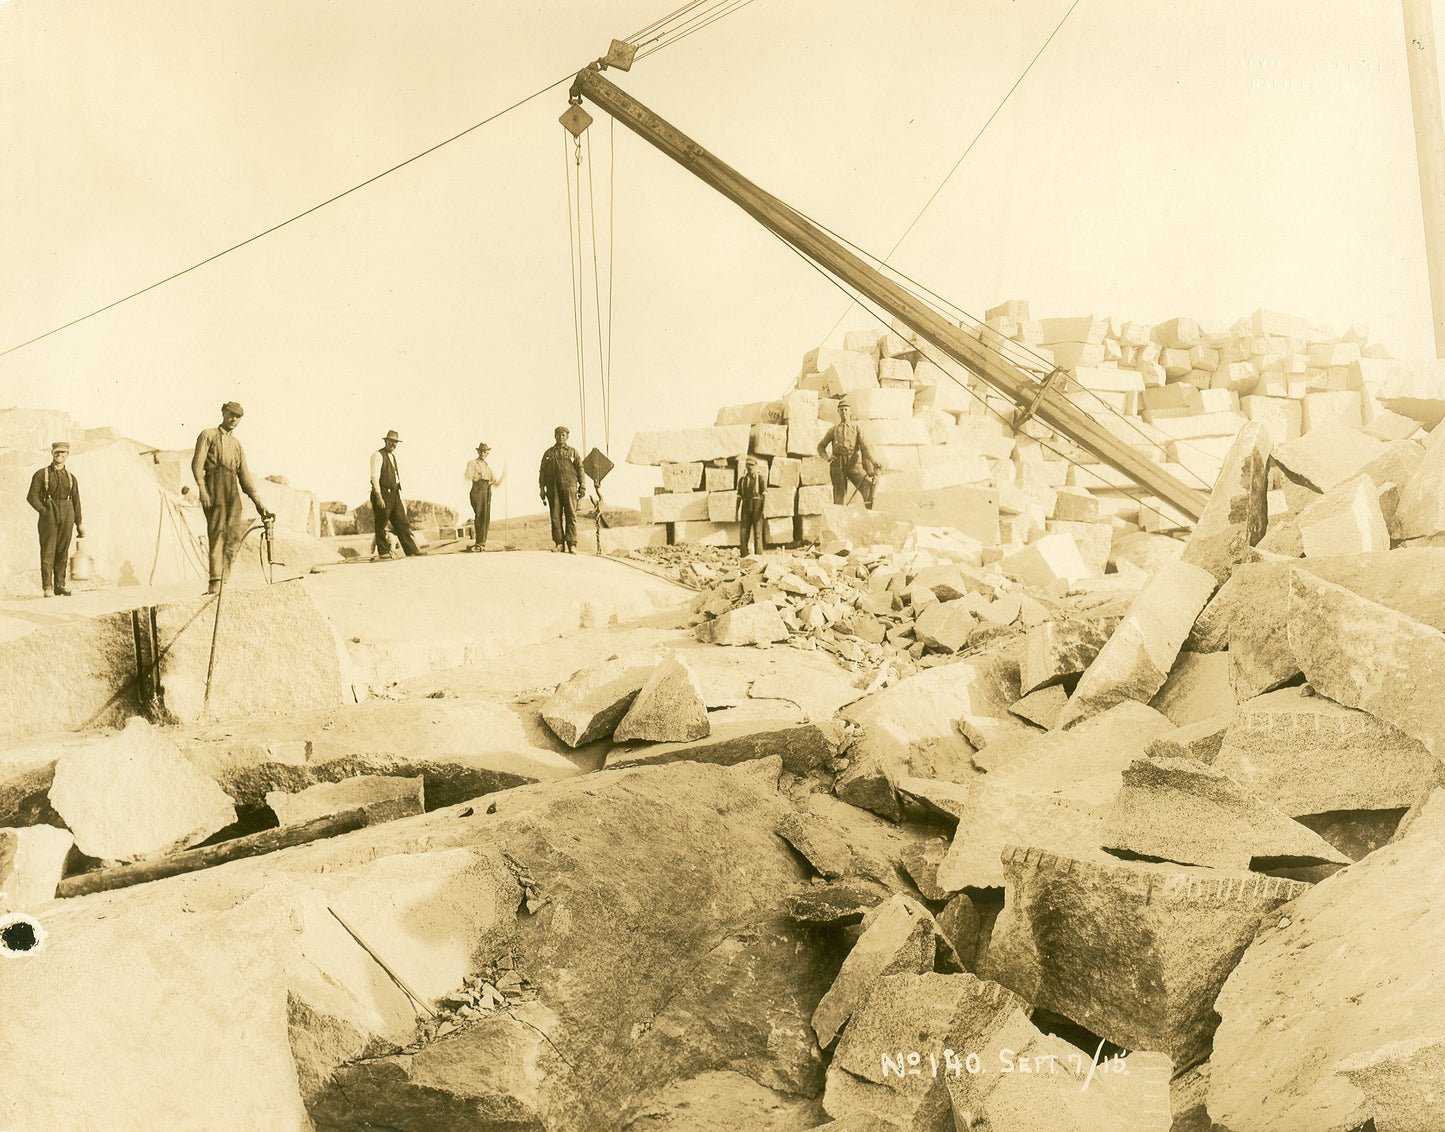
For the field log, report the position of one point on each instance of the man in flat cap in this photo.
(752, 498)
(851, 460)
(56, 498)
(219, 467)
(562, 488)
(481, 477)
(387, 507)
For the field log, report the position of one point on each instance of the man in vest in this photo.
(752, 495)
(56, 498)
(481, 476)
(851, 462)
(219, 466)
(562, 488)
(387, 507)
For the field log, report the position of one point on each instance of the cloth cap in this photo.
(560, 429)
(392, 436)
(233, 407)
(60, 446)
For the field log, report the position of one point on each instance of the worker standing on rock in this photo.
(386, 491)
(562, 489)
(752, 496)
(481, 476)
(219, 466)
(851, 462)
(56, 498)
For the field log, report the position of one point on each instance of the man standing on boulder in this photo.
(219, 466)
(386, 488)
(56, 498)
(562, 488)
(851, 461)
(481, 476)
(752, 496)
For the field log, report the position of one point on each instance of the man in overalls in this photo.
(851, 461)
(562, 485)
(752, 498)
(56, 498)
(219, 467)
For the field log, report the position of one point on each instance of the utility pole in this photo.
(1429, 149)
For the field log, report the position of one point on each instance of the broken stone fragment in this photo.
(1135, 953)
(1307, 754)
(843, 902)
(1332, 1016)
(1199, 741)
(999, 814)
(1042, 707)
(1363, 655)
(758, 624)
(823, 846)
(898, 938)
(669, 708)
(1057, 650)
(592, 701)
(1235, 515)
(1038, 1080)
(1184, 811)
(921, 862)
(1328, 455)
(902, 1015)
(382, 797)
(947, 799)
(1347, 519)
(1135, 662)
(136, 795)
(32, 861)
(1198, 688)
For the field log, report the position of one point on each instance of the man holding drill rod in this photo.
(219, 466)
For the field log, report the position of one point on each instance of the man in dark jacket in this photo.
(752, 496)
(562, 488)
(56, 498)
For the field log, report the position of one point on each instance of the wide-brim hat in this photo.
(484, 447)
(392, 436)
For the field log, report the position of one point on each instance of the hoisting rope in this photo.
(572, 172)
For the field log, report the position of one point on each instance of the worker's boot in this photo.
(213, 588)
(47, 592)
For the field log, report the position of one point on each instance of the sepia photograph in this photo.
(970, 658)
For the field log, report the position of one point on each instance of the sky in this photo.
(1158, 160)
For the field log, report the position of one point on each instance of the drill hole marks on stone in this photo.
(20, 935)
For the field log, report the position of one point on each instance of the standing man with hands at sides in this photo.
(482, 477)
(562, 487)
(56, 498)
(387, 507)
(219, 467)
(752, 495)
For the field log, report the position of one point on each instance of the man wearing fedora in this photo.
(481, 476)
(562, 488)
(56, 498)
(219, 466)
(387, 507)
